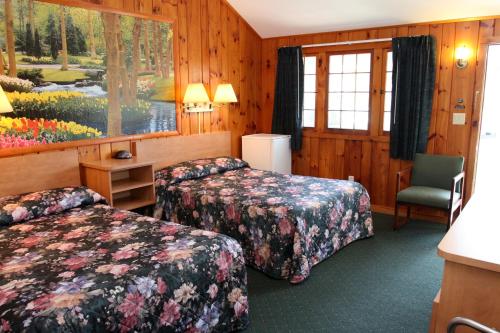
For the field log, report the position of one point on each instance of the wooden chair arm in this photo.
(399, 176)
(458, 178)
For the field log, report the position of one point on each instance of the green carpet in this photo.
(383, 284)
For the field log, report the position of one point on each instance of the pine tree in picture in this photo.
(28, 43)
(37, 47)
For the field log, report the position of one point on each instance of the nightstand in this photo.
(127, 184)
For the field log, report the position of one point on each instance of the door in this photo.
(488, 163)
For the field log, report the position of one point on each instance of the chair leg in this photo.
(396, 217)
(450, 219)
(408, 213)
(451, 216)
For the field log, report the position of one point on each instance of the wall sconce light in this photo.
(462, 55)
(5, 106)
(196, 99)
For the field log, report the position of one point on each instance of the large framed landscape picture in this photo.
(75, 74)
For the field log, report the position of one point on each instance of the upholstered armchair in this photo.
(436, 181)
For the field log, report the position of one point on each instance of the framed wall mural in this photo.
(74, 74)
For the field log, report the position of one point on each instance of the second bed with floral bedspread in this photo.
(286, 224)
(71, 264)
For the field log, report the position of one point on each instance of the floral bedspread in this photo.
(286, 224)
(98, 269)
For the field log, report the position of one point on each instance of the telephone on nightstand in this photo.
(122, 155)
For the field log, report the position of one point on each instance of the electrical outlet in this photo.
(350, 178)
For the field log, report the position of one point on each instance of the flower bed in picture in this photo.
(145, 88)
(23, 132)
(73, 106)
(39, 61)
(10, 84)
(12, 141)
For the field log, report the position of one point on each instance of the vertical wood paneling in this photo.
(466, 33)
(326, 163)
(338, 166)
(444, 87)
(215, 54)
(256, 63)
(224, 59)
(353, 159)
(182, 27)
(436, 30)
(379, 173)
(194, 36)
(269, 56)
(234, 76)
(366, 164)
(205, 53)
(245, 69)
(314, 157)
(497, 27)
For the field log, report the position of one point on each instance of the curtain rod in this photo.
(349, 43)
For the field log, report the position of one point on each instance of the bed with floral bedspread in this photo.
(286, 224)
(69, 263)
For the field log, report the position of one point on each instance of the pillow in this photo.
(199, 168)
(24, 207)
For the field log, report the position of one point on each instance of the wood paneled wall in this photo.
(366, 157)
(214, 45)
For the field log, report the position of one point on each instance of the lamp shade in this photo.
(196, 93)
(225, 94)
(5, 106)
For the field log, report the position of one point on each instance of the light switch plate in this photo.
(459, 119)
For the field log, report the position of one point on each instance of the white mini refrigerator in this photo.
(271, 152)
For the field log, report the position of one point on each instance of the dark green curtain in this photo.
(413, 78)
(289, 95)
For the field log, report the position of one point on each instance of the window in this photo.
(349, 91)
(388, 91)
(309, 115)
(339, 88)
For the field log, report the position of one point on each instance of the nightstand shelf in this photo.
(129, 203)
(123, 185)
(127, 184)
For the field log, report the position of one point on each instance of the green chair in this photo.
(436, 181)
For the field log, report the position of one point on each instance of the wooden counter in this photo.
(471, 278)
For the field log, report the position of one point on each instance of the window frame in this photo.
(385, 53)
(305, 55)
(327, 92)
(322, 81)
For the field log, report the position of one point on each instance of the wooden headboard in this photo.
(170, 150)
(41, 171)
(59, 168)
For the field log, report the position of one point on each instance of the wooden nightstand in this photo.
(127, 184)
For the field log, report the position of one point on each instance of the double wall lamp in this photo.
(196, 99)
